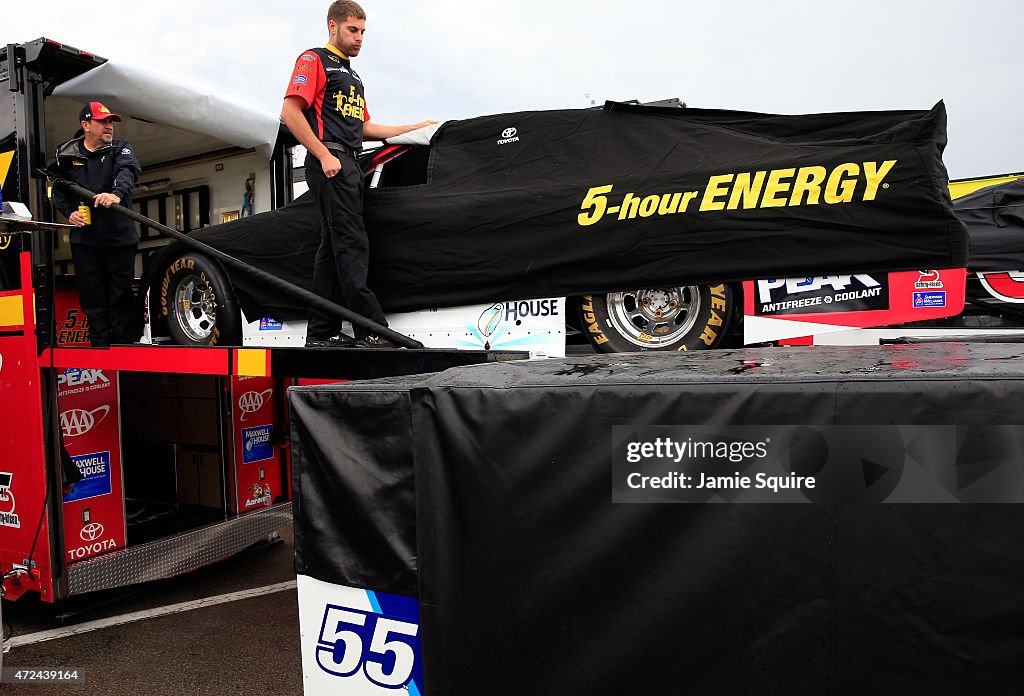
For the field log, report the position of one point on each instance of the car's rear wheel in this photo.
(199, 304)
(690, 317)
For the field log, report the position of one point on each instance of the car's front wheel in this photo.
(198, 303)
(690, 317)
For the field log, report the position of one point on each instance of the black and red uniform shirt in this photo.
(333, 96)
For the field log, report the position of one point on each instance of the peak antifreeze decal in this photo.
(775, 188)
(820, 294)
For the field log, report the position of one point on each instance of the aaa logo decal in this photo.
(252, 401)
(78, 421)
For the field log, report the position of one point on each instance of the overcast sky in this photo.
(455, 59)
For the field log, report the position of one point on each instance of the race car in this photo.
(547, 213)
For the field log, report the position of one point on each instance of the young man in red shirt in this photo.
(325, 109)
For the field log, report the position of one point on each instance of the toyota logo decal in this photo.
(508, 132)
(91, 531)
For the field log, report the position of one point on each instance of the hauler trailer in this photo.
(139, 462)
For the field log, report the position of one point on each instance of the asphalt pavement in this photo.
(247, 645)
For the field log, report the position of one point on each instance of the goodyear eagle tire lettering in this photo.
(693, 317)
(199, 303)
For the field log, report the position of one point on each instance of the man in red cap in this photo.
(104, 242)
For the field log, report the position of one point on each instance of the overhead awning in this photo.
(155, 97)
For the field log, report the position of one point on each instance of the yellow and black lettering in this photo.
(717, 187)
(776, 185)
(749, 189)
(591, 320)
(351, 105)
(808, 181)
(772, 188)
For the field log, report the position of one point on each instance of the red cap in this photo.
(94, 111)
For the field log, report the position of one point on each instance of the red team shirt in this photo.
(332, 95)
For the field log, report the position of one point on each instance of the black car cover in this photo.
(282, 242)
(995, 219)
(562, 203)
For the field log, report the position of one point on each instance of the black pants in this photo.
(104, 276)
(343, 258)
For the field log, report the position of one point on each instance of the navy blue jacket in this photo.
(110, 169)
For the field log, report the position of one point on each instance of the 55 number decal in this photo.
(383, 648)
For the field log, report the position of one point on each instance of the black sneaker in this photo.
(340, 341)
(375, 341)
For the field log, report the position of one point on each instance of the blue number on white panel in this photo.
(382, 647)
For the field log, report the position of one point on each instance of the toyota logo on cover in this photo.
(509, 136)
(251, 402)
(91, 531)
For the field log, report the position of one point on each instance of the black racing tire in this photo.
(691, 317)
(198, 303)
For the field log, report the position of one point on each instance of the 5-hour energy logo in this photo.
(74, 328)
(775, 188)
(351, 105)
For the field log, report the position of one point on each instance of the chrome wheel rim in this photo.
(196, 308)
(654, 317)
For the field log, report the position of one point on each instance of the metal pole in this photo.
(284, 286)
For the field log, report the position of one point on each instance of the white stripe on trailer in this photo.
(58, 633)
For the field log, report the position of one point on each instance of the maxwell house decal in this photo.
(95, 469)
(256, 445)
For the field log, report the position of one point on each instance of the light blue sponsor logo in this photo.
(299, 80)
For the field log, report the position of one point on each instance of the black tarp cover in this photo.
(995, 220)
(282, 242)
(499, 215)
(490, 491)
